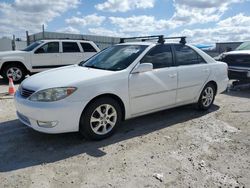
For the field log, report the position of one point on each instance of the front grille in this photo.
(26, 92)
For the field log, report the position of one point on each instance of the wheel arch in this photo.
(13, 62)
(212, 82)
(113, 96)
(215, 85)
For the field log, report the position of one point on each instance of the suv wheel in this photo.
(207, 97)
(14, 71)
(100, 119)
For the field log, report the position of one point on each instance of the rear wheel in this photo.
(15, 71)
(207, 97)
(100, 119)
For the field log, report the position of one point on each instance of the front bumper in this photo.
(239, 74)
(65, 114)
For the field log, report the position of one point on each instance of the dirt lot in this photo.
(180, 147)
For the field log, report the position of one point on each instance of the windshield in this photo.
(244, 46)
(115, 58)
(32, 46)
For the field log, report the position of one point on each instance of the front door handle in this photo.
(206, 70)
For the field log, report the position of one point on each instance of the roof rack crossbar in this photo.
(144, 38)
(161, 38)
(182, 41)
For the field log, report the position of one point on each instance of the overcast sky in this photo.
(203, 21)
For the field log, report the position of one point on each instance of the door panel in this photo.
(88, 50)
(72, 58)
(152, 90)
(71, 53)
(46, 57)
(193, 72)
(191, 78)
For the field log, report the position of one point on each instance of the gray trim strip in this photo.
(239, 69)
(49, 66)
(154, 93)
(159, 92)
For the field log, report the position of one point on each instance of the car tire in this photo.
(100, 118)
(15, 71)
(207, 97)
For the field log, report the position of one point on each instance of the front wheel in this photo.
(14, 71)
(207, 97)
(100, 119)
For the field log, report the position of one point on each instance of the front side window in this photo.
(50, 47)
(115, 58)
(160, 56)
(187, 56)
(70, 47)
(87, 47)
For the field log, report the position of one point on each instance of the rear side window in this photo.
(87, 47)
(70, 47)
(187, 56)
(160, 56)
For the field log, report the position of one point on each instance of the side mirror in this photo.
(144, 67)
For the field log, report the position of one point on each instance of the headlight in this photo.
(52, 94)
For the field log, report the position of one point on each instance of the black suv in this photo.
(238, 64)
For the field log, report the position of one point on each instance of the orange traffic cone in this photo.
(12, 89)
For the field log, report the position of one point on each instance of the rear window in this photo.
(70, 47)
(187, 56)
(87, 47)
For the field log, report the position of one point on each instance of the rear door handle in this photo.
(172, 75)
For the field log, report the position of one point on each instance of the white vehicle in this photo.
(43, 55)
(121, 82)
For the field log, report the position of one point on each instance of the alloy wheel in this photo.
(103, 119)
(15, 73)
(207, 96)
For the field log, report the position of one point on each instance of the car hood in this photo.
(62, 77)
(237, 52)
(11, 53)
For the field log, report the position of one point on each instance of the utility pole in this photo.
(14, 43)
(27, 38)
(43, 31)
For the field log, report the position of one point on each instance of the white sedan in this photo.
(120, 82)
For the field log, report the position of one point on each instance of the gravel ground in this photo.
(180, 147)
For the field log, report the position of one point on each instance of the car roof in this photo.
(238, 52)
(64, 40)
